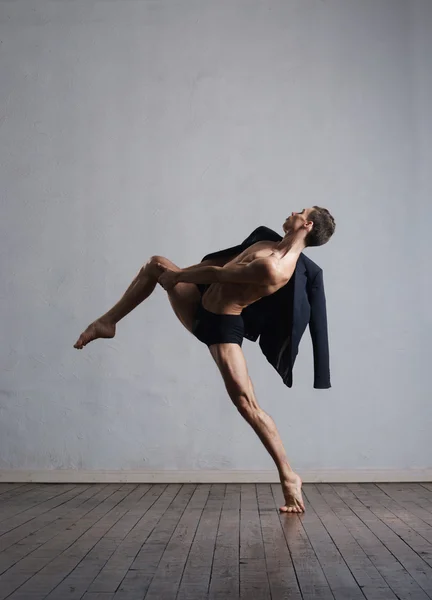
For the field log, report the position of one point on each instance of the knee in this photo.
(152, 264)
(155, 259)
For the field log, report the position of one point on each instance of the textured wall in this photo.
(176, 127)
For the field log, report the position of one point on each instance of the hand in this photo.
(168, 278)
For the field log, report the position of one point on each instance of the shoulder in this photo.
(265, 265)
(270, 269)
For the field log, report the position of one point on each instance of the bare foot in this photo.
(97, 329)
(291, 488)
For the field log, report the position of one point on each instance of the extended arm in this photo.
(260, 271)
(214, 262)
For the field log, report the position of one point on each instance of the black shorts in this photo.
(211, 328)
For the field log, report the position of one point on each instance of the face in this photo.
(297, 220)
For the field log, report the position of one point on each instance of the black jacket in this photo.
(279, 320)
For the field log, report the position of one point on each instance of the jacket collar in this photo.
(301, 265)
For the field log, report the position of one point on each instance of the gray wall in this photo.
(177, 127)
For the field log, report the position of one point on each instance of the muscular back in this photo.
(232, 298)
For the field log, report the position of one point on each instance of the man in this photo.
(213, 314)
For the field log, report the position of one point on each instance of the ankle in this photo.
(107, 319)
(286, 473)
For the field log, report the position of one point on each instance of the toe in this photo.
(291, 509)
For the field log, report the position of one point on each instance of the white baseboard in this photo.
(212, 476)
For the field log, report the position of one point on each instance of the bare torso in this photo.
(232, 298)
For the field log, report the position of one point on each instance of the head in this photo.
(316, 225)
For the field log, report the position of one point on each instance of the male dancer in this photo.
(213, 314)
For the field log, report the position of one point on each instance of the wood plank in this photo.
(195, 581)
(134, 585)
(153, 547)
(104, 568)
(6, 487)
(32, 498)
(101, 561)
(47, 530)
(310, 575)
(43, 582)
(340, 579)
(362, 525)
(421, 491)
(169, 571)
(136, 582)
(30, 514)
(280, 567)
(253, 572)
(409, 505)
(402, 513)
(408, 499)
(393, 525)
(366, 575)
(412, 492)
(18, 490)
(152, 536)
(225, 575)
(22, 494)
(15, 501)
(57, 557)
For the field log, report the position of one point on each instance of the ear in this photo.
(308, 225)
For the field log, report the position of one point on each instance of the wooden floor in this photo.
(193, 542)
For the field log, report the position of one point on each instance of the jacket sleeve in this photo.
(319, 332)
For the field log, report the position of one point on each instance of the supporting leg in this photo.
(232, 365)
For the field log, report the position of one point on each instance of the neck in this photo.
(291, 244)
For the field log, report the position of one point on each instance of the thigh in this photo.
(232, 365)
(184, 297)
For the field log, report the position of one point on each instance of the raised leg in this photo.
(232, 365)
(184, 298)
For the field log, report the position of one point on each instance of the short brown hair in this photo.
(323, 227)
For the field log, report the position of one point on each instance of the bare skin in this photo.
(259, 271)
